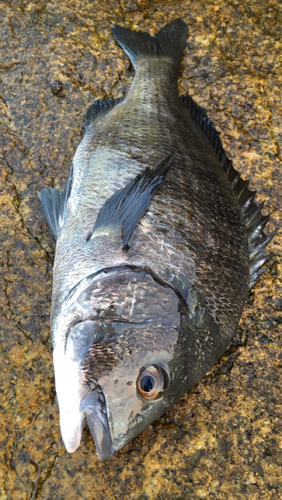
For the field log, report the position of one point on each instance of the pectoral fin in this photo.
(126, 207)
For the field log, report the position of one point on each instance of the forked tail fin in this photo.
(168, 42)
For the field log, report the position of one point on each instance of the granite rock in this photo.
(224, 438)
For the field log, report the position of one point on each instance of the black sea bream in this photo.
(157, 242)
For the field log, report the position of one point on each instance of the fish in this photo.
(158, 241)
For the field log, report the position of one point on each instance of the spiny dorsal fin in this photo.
(100, 107)
(169, 41)
(254, 220)
(54, 201)
(124, 209)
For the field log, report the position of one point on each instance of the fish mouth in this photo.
(94, 407)
(78, 398)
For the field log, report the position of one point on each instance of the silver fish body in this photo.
(153, 238)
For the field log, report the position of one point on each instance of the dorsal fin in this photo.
(54, 202)
(254, 220)
(100, 107)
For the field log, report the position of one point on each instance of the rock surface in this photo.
(223, 439)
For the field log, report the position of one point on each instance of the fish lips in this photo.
(94, 408)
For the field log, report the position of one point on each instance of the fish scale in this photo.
(157, 240)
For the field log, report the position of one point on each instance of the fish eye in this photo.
(151, 382)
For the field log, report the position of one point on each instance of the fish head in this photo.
(112, 362)
(127, 364)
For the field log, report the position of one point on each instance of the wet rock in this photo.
(224, 438)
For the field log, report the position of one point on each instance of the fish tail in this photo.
(170, 42)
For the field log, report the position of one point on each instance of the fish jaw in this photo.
(95, 411)
(75, 407)
(76, 400)
(68, 393)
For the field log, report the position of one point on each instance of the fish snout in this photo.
(76, 404)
